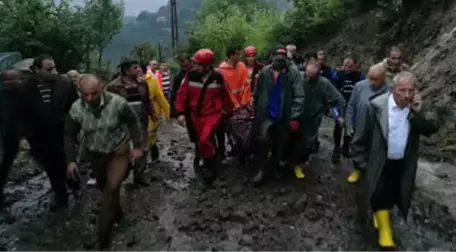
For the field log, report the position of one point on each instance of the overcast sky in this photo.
(134, 7)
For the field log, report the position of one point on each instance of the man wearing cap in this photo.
(278, 101)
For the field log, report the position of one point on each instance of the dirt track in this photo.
(177, 213)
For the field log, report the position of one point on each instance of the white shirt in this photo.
(398, 129)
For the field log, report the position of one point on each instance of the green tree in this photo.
(249, 22)
(144, 52)
(105, 19)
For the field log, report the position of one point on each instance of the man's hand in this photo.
(417, 103)
(72, 169)
(24, 145)
(349, 132)
(181, 120)
(340, 121)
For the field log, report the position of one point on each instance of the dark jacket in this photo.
(345, 82)
(9, 112)
(136, 91)
(370, 149)
(328, 72)
(255, 74)
(291, 102)
(41, 123)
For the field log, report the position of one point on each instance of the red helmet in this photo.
(204, 56)
(250, 50)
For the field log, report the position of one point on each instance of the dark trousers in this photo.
(51, 156)
(337, 135)
(10, 150)
(220, 134)
(272, 143)
(387, 191)
(154, 152)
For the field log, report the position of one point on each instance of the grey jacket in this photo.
(359, 101)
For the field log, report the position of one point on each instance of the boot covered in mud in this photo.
(196, 164)
(209, 169)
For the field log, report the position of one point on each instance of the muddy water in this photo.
(177, 213)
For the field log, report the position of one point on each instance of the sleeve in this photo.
(257, 91)
(164, 105)
(227, 99)
(72, 128)
(298, 97)
(350, 113)
(336, 80)
(72, 95)
(333, 75)
(334, 98)
(128, 117)
(150, 105)
(182, 96)
(361, 142)
(246, 93)
(176, 83)
(426, 123)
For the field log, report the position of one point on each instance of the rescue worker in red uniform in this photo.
(203, 89)
(253, 66)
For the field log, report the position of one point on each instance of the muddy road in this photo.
(177, 213)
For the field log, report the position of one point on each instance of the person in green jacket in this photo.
(112, 137)
(320, 93)
(278, 101)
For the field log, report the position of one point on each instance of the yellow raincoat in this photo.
(161, 106)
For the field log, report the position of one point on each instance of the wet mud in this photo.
(176, 212)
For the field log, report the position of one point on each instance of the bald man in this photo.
(359, 101)
(320, 93)
(109, 124)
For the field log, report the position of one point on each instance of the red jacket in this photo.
(204, 98)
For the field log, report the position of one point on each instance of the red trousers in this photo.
(205, 127)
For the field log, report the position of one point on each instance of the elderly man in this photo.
(386, 149)
(108, 124)
(394, 63)
(74, 76)
(359, 101)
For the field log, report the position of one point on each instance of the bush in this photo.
(248, 24)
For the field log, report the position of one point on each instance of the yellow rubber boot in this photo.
(298, 171)
(375, 222)
(385, 234)
(354, 176)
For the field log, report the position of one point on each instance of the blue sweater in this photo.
(274, 99)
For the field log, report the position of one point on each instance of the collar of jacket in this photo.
(380, 103)
(105, 98)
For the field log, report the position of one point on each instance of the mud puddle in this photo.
(177, 213)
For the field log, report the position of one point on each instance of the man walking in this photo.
(44, 101)
(386, 150)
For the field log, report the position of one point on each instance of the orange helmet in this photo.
(204, 57)
(250, 50)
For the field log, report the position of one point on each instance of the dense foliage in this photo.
(258, 23)
(71, 34)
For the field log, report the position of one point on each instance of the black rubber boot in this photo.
(336, 156)
(210, 169)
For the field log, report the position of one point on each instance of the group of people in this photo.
(271, 114)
